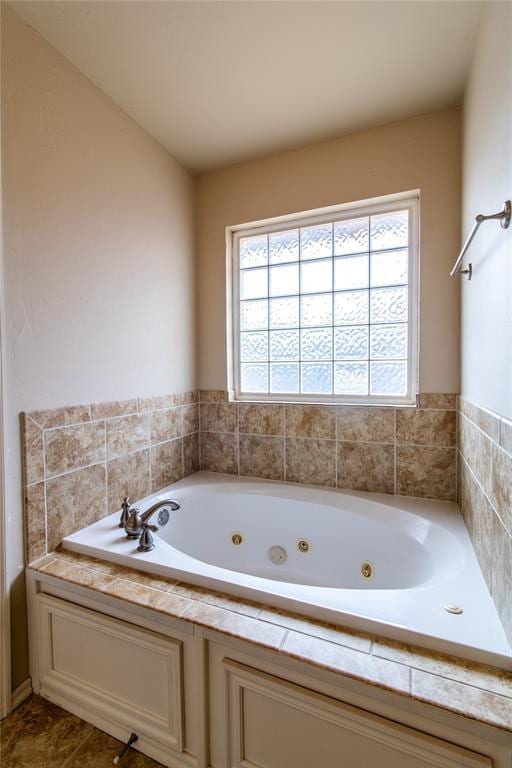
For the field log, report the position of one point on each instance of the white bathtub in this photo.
(419, 551)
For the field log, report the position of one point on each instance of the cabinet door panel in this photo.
(276, 724)
(131, 675)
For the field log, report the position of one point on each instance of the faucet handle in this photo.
(125, 506)
(146, 543)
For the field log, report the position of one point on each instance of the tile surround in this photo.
(409, 451)
(485, 498)
(80, 461)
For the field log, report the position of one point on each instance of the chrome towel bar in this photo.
(502, 216)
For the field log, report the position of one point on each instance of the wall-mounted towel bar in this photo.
(502, 216)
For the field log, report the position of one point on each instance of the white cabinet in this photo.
(125, 674)
(273, 723)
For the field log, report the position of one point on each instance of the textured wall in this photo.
(422, 153)
(99, 273)
(486, 322)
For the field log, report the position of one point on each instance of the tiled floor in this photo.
(41, 735)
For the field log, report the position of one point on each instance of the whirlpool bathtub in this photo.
(399, 567)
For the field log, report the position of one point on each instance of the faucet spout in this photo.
(138, 521)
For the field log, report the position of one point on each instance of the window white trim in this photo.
(402, 201)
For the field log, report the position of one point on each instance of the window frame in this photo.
(402, 201)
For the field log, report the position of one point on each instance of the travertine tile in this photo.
(465, 699)
(262, 418)
(186, 398)
(140, 577)
(155, 403)
(478, 516)
(219, 417)
(113, 408)
(38, 734)
(262, 456)
(502, 575)
(506, 435)
(127, 476)
(426, 472)
(190, 418)
(165, 425)
(127, 434)
(361, 666)
(479, 675)
(310, 421)
(366, 467)
(76, 574)
(74, 501)
(217, 599)
(442, 401)
(487, 421)
(476, 448)
(320, 629)
(372, 425)
(61, 417)
(73, 447)
(166, 464)
(502, 485)
(234, 624)
(310, 461)
(35, 522)
(426, 427)
(190, 454)
(213, 396)
(164, 602)
(219, 452)
(33, 451)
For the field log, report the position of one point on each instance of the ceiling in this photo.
(221, 82)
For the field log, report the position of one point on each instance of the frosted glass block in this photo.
(389, 341)
(388, 305)
(253, 251)
(350, 378)
(351, 343)
(284, 313)
(254, 346)
(389, 230)
(389, 267)
(284, 377)
(284, 281)
(254, 377)
(253, 283)
(316, 310)
(389, 378)
(316, 242)
(351, 236)
(253, 315)
(316, 378)
(350, 307)
(284, 246)
(316, 276)
(351, 272)
(316, 344)
(284, 345)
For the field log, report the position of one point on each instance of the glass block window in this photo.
(325, 307)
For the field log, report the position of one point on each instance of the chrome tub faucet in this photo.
(137, 525)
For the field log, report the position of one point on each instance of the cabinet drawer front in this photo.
(131, 675)
(276, 724)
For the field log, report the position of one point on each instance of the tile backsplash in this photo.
(80, 461)
(408, 451)
(485, 498)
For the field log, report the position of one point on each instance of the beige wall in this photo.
(487, 182)
(423, 153)
(98, 258)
